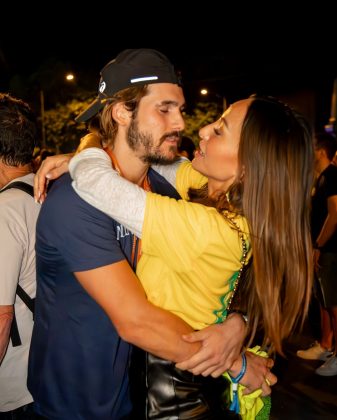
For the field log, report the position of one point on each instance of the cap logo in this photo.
(144, 79)
(102, 86)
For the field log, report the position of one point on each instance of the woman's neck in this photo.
(216, 187)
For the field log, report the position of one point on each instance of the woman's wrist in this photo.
(241, 314)
(238, 369)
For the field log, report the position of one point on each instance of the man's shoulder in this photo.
(161, 186)
(61, 195)
(65, 209)
(329, 177)
(15, 202)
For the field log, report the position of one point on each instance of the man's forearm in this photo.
(118, 291)
(160, 332)
(6, 317)
(327, 231)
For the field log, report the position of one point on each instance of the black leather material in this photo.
(173, 394)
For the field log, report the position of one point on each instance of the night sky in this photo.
(231, 54)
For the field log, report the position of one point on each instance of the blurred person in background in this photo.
(18, 215)
(186, 148)
(324, 237)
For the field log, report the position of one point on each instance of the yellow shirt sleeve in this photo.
(188, 177)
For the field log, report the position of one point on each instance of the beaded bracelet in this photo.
(235, 406)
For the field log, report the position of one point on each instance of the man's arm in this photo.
(117, 290)
(328, 229)
(330, 224)
(6, 317)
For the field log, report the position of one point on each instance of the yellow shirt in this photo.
(190, 253)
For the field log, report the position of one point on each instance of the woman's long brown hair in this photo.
(276, 152)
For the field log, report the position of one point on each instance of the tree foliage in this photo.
(202, 114)
(63, 133)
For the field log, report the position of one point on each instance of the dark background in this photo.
(233, 51)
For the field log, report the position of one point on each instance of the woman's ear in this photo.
(120, 114)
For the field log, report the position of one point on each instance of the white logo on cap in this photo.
(102, 86)
(143, 79)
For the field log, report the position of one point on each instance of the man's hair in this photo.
(326, 142)
(131, 98)
(17, 131)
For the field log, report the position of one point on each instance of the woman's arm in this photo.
(97, 183)
(169, 172)
(54, 166)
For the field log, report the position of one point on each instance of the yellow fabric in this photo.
(252, 403)
(188, 177)
(189, 254)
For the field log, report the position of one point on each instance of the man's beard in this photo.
(151, 153)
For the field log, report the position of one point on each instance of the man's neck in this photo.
(130, 166)
(8, 173)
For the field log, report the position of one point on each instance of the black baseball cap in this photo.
(133, 67)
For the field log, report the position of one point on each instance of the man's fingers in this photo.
(191, 338)
(190, 364)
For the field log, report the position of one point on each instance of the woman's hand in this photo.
(258, 374)
(221, 346)
(54, 166)
(51, 168)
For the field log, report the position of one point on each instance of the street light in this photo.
(70, 77)
(205, 92)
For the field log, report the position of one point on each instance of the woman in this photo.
(257, 159)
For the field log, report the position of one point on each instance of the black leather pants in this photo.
(160, 391)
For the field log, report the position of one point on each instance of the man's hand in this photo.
(51, 168)
(221, 346)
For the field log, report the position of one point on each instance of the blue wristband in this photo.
(235, 406)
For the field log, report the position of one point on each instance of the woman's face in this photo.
(217, 157)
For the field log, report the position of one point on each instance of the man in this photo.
(18, 215)
(78, 362)
(324, 234)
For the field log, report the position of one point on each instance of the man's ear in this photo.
(120, 114)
